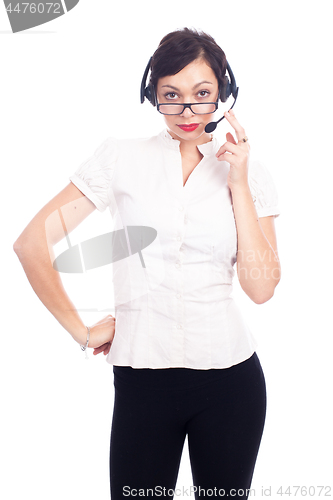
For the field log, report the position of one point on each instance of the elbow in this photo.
(17, 247)
(261, 299)
(260, 289)
(19, 244)
(264, 295)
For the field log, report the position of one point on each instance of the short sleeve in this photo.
(263, 190)
(93, 177)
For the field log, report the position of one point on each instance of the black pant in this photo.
(222, 412)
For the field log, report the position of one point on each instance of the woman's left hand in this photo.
(237, 154)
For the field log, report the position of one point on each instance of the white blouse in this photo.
(173, 304)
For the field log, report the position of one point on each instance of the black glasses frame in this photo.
(186, 105)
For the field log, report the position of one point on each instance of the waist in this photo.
(176, 378)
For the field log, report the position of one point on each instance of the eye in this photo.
(170, 95)
(205, 92)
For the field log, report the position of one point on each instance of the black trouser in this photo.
(222, 412)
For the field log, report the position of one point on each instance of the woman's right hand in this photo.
(101, 335)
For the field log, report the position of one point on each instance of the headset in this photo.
(225, 90)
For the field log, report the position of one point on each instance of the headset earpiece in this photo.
(225, 89)
(152, 95)
(230, 87)
(147, 91)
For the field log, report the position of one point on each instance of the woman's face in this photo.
(194, 83)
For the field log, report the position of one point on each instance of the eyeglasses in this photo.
(200, 108)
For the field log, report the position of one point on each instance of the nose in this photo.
(187, 113)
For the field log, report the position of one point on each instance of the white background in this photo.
(65, 87)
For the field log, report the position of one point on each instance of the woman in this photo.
(185, 211)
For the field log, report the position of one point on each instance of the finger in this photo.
(226, 157)
(227, 146)
(230, 138)
(107, 350)
(240, 132)
(99, 349)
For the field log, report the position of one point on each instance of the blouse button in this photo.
(177, 265)
(179, 326)
(181, 207)
(178, 295)
(178, 238)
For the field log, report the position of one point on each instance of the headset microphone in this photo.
(211, 126)
(231, 88)
(226, 89)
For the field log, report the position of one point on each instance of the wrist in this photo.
(81, 335)
(86, 344)
(240, 190)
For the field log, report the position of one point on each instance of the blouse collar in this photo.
(208, 148)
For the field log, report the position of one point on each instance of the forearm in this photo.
(258, 266)
(37, 261)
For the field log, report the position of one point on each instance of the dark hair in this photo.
(181, 47)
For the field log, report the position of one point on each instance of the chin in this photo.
(188, 135)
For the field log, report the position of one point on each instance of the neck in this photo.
(190, 147)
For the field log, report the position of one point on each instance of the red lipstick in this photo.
(190, 127)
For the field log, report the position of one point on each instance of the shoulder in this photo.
(258, 171)
(141, 143)
(124, 150)
(259, 176)
(263, 189)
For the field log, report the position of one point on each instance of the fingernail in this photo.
(227, 113)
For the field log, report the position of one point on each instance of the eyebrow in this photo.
(195, 86)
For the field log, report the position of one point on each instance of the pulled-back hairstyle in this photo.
(181, 47)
